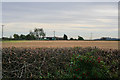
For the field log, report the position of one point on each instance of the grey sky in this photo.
(60, 0)
(73, 19)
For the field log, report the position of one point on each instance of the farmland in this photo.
(60, 44)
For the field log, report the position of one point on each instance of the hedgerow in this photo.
(51, 62)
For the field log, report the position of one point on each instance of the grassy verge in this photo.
(13, 41)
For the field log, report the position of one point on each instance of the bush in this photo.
(80, 38)
(86, 67)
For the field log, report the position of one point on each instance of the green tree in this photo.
(28, 37)
(16, 36)
(32, 35)
(65, 37)
(23, 37)
(80, 38)
(39, 33)
(103, 38)
(43, 35)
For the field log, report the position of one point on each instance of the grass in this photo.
(13, 41)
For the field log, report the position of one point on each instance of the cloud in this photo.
(60, 1)
(53, 12)
(61, 29)
(70, 18)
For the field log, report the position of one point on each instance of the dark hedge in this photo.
(45, 62)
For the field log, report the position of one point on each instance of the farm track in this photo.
(61, 44)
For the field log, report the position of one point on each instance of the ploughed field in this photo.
(61, 44)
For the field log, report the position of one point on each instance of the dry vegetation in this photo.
(45, 62)
(60, 44)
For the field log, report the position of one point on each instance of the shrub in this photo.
(86, 67)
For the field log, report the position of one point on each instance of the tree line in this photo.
(66, 38)
(37, 34)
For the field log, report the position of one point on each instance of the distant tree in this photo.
(80, 38)
(39, 33)
(28, 37)
(65, 37)
(75, 39)
(71, 39)
(32, 35)
(36, 33)
(16, 36)
(23, 37)
(5, 38)
(43, 35)
(103, 38)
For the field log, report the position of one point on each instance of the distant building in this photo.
(53, 38)
(49, 38)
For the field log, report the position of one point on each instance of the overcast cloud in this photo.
(59, 0)
(73, 19)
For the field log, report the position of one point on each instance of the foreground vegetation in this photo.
(81, 63)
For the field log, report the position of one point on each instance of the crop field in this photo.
(61, 44)
(60, 59)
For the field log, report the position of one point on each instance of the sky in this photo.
(59, 0)
(70, 18)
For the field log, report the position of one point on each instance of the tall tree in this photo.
(65, 37)
(43, 35)
(36, 33)
(39, 33)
